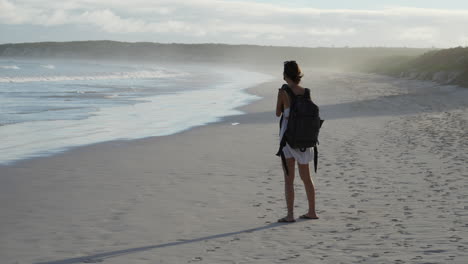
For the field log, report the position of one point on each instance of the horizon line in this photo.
(229, 44)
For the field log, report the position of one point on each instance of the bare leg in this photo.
(289, 188)
(304, 172)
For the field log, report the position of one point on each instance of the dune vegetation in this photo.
(446, 66)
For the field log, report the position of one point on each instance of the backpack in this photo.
(304, 125)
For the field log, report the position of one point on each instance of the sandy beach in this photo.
(391, 187)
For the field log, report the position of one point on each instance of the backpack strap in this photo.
(307, 93)
(315, 158)
(283, 161)
(291, 95)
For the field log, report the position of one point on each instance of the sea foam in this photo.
(110, 76)
(9, 67)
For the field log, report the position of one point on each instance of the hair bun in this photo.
(292, 71)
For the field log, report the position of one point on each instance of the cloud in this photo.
(238, 21)
(110, 22)
(11, 14)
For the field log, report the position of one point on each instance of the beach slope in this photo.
(391, 187)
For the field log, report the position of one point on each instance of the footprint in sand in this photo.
(212, 249)
(195, 259)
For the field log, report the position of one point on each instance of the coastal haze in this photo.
(142, 149)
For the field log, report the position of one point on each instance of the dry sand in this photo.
(391, 187)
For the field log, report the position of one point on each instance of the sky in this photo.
(331, 23)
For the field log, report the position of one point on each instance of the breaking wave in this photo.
(110, 76)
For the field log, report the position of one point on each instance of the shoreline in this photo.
(223, 119)
(235, 92)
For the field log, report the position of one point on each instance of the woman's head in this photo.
(292, 71)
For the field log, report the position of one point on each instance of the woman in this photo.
(292, 75)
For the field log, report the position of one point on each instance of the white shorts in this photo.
(301, 157)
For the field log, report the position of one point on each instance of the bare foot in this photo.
(287, 219)
(309, 216)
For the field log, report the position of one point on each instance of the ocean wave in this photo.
(115, 75)
(126, 122)
(48, 66)
(43, 118)
(10, 67)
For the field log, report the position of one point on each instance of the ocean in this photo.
(47, 107)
